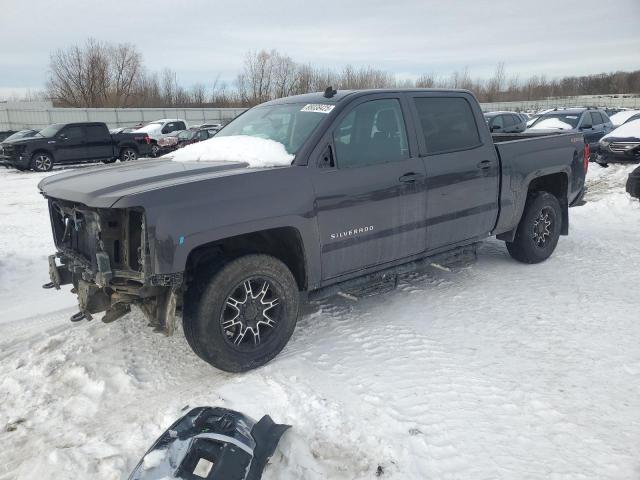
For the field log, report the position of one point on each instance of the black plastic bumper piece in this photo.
(213, 444)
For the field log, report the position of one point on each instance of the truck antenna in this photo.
(329, 92)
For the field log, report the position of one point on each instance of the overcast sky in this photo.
(202, 39)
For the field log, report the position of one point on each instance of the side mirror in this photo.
(586, 127)
(62, 137)
(494, 128)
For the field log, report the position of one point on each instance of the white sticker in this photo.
(317, 108)
(573, 117)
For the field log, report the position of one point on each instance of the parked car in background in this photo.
(167, 143)
(16, 136)
(66, 143)
(29, 132)
(505, 122)
(215, 126)
(364, 185)
(161, 128)
(633, 184)
(621, 145)
(624, 116)
(185, 137)
(122, 130)
(593, 123)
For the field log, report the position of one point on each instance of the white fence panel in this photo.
(17, 118)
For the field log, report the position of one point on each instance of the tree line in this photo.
(99, 74)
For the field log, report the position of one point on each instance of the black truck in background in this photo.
(67, 143)
(381, 182)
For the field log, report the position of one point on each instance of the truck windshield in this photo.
(562, 121)
(289, 124)
(50, 131)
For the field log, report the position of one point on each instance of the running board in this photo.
(386, 280)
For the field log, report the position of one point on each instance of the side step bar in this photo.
(386, 279)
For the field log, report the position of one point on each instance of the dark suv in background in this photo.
(593, 123)
(505, 122)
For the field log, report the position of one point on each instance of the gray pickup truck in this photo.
(381, 182)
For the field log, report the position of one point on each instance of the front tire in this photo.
(41, 162)
(241, 316)
(539, 229)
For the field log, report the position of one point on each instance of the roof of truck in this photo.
(318, 97)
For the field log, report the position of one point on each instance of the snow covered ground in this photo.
(498, 370)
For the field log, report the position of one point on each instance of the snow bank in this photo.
(631, 129)
(552, 123)
(257, 152)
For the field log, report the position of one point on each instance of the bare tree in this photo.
(126, 71)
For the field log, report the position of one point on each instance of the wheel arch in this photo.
(555, 183)
(283, 243)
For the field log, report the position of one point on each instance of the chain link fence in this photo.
(612, 101)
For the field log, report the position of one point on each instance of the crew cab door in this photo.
(461, 166)
(70, 144)
(369, 188)
(99, 143)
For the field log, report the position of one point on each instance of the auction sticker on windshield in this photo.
(317, 107)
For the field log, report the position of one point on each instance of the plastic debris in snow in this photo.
(256, 152)
(211, 443)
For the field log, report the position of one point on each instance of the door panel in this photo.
(371, 204)
(70, 144)
(99, 144)
(462, 172)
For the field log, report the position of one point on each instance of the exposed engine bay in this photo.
(104, 254)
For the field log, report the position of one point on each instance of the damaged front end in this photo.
(104, 253)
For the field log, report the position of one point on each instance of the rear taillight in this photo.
(587, 154)
(144, 138)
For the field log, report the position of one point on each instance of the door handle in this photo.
(410, 177)
(485, 164)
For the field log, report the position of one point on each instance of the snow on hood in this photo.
(631, 129)
(257, 152)
(551, 123)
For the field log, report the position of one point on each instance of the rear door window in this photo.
(597, 118)
(95, 133)
(448, 124)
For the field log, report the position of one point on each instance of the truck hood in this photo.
(103, 186)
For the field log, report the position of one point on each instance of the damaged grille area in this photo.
(106, 246)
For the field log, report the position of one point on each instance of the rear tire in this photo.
(41, 162)
(539, 229)
(128, 155)
(241, 316)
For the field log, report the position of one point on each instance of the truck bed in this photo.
(551, 153)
